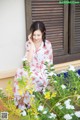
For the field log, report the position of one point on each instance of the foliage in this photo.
(59, 101)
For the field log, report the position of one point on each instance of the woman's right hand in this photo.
(32, 46)
(30, 40)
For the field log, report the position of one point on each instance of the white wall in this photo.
(12, 33)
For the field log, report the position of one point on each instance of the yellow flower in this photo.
(20, 91)
(33, 110)
(30, 88)
(53, 94)
(47, 95)
(9, 89)
(30, 91)
(12, 109)
(32, 100)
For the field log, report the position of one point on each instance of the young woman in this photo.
(38, 51)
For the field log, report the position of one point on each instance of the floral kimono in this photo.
(40, 56)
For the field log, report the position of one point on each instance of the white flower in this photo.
(54, 74)
(24, 59)
(63, 86)
(68, 106)
(77, 113)
(60, 107)
(55, 81)
(36, 116)
(52, 115)
(23, 113)
(51, 74)
(78, 75)
(78, 97)
(58, 104)
(72, 114)
(52, 67)
(71, 68)
(43, 90)
(40, 108)
(68, 117)
(67, 101)
(72, 107)
(44, 112)
(1, 88)
(63, 71)
(47, 60)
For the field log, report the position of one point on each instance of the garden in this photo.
(60, 100)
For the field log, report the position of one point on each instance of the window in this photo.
(62, 25)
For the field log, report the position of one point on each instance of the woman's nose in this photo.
(36, 37)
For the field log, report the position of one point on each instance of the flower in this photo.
(47, 60)
(43, 90)
(51, 73)
(55, 81)
(52, 67)
(71, 68)
(1, 88)
(63, 71)
(23, 113)
(60, 107)
(40, 108)
(77, 113)
(50, 100)
(58, 104)
(24, 59)
(78, 97)
(67, 101)
(68, 106)
(52, 115)
(47, 95)
(20, 92)
(36, 116)
(63, 86)
(67, 117)
(53, 94)
(78, 75)
(44, 112)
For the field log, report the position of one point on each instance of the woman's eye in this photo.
(36, 35)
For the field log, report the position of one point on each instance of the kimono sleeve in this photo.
(50, 57)
(49, 53)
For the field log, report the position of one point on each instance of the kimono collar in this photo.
(41, 46)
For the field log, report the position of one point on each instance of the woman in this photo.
(38, 51)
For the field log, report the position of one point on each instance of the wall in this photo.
(12, 34)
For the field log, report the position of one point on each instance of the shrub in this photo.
(59, 101)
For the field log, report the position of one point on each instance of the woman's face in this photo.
(37, 36)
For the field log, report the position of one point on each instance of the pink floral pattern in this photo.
(40, 56)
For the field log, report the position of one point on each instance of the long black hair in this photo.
(39, 25)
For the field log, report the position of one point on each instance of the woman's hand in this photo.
(29, 53)
(30, 36)
(30, 40)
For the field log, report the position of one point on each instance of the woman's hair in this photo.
(38, 25)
